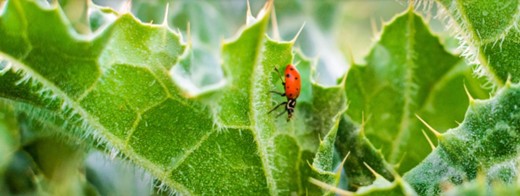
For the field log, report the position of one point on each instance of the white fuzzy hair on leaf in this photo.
(470, 43)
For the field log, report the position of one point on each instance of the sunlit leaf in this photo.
(117, 89)
(408, 72)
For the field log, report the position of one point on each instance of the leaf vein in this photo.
(408, 89)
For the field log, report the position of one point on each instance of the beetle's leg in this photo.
(279, 93)
(280, 114)
(276, 107)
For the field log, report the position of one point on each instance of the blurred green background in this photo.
(33, 161)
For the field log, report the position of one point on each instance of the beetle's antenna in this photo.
(279, 75)
(278, 93)
(280, 114)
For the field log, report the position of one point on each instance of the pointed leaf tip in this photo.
(267, 7)
(350, 56)
(188, 32)
(126, 7)
(276, 32)
(265, 10)
(250, 19)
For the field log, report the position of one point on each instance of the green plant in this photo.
(141, 93)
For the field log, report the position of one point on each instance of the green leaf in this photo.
(323, 162)
(351, 139)
(119, 87)
(485, 142)
(408, 72)
(41, 114)
(317, 114)
(489, 32)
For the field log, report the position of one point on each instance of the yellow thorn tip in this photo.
(435, 132)
(338, 173)
(298, 34)
(371, 170)
(249, 16)
(362, 128)
(429, 140)
(471, 100)
(330, 187)
(188, 32)
(166, 12)
(276, 32)
(373, 25)
(508, 81)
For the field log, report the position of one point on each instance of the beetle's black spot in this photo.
(297, 88)
(288, 75)
(290, 94)
(291, 69)
(296, 78)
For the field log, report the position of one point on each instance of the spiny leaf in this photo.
(380, 186)
(489, 34)
(134, 86)
(323, 162)
(485, 142)
(351, 138)
(35, 105)
(408, 72)
(316, 119)
(116, 87)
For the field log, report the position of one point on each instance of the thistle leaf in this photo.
(486, 142)
(408, 72)
(117, 89)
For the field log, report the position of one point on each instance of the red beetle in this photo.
(292, 87)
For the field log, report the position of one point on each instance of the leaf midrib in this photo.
(408, 90)
(256, 128)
